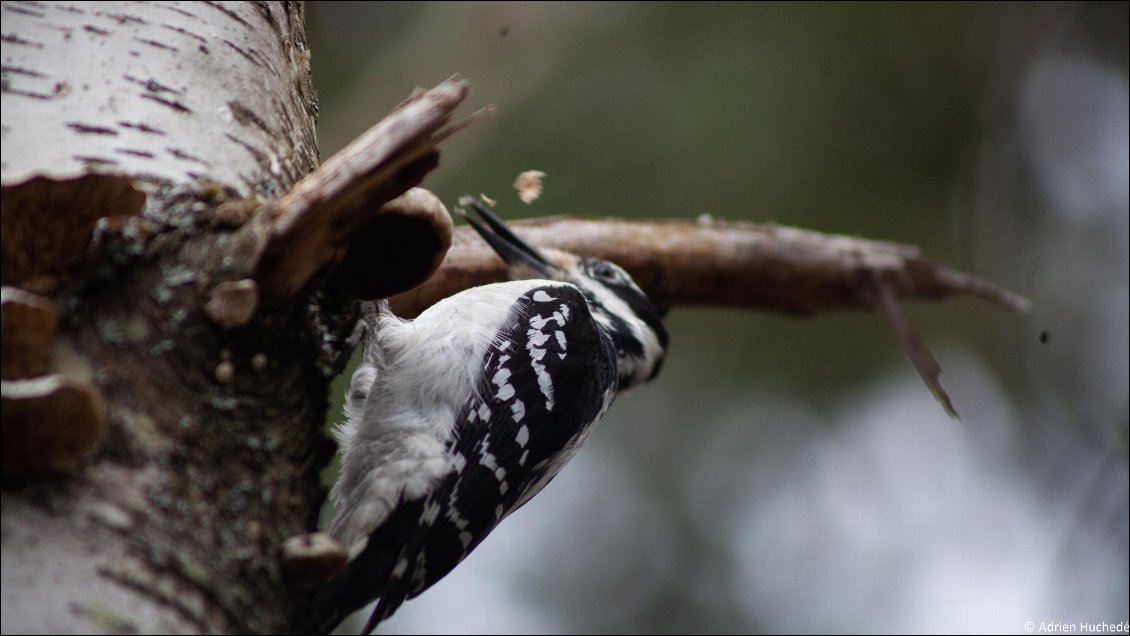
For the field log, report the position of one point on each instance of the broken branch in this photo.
(327, 213)
(717, 264)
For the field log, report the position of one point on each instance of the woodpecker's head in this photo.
(618, 305)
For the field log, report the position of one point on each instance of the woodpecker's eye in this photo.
(606, 272)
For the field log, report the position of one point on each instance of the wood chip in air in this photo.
(528, 185)
(487, 200)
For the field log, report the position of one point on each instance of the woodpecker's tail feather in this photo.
(370, 575)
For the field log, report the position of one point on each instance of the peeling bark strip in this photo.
(920, 355)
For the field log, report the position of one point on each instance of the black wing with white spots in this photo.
(549, 375)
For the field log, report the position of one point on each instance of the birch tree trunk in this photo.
(171, 320)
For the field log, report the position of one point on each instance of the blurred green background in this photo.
(791, 474)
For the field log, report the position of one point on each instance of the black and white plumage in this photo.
(458, 418)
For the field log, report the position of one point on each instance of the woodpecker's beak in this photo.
(513, 250)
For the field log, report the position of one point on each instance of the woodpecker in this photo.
(456, 419)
